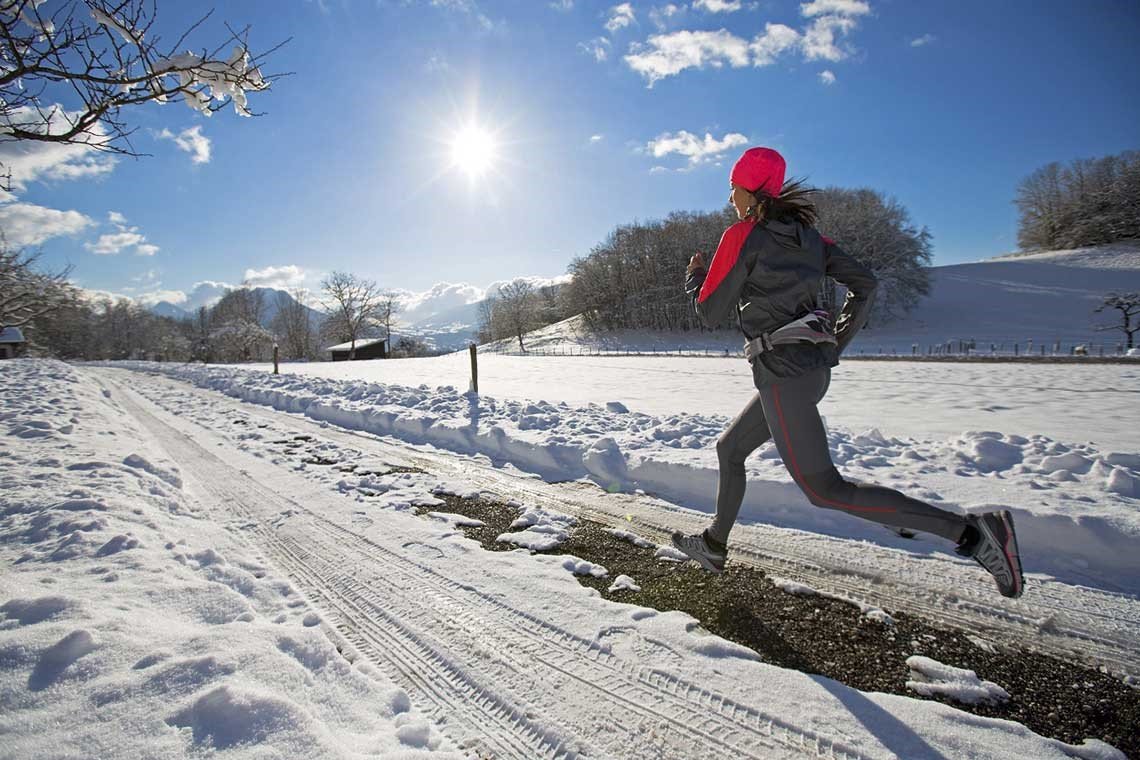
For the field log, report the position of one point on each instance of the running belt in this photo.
(814, 327)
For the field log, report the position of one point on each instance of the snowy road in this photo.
(509, 657)
(1073, 622)
(499, 678)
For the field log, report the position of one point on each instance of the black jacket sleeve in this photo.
(715, 293)
(860, 282)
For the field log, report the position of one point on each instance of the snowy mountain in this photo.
(447, 315)
(209, 297)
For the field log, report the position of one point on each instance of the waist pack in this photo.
(810, 328)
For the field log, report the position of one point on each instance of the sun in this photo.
(473, 150)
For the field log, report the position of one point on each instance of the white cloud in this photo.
(696, 149)
(776, 39)
(282, 278)
(562, 5)
(718, 6)
(599, 47)
(658, 170)
(25, 224)
(665, 55)
(31, 160)
(835, 7)
(925, 39)
(595, 138)
(620, 16)
(819, 38)
(662, 16)
(113, 243)
(191, 141)
(470, 9)
(827, 77)
(176, 297)
(206, 293)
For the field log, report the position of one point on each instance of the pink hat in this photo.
(759, 170)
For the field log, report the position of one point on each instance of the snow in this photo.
(933, 679)
(624, 583)
(1057, 445)
(120, 600)
(188, 640)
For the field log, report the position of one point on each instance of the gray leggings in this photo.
(787, 413)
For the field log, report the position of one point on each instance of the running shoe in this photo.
(993, 545)
(699, 549)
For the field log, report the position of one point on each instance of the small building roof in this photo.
(359, 344)
(11, 335)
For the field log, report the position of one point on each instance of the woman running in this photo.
(770, 265)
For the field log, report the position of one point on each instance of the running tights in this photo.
(787, 413)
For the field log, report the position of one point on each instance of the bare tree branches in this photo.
(1088, 202)
(1128, 304)
(878, 232)
(353, 304)
(103, 57)
(26, 292)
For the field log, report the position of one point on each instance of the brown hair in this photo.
(794, 202)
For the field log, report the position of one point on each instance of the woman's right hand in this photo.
(697, 262)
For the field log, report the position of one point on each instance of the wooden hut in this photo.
(366, 348)
(11, 342)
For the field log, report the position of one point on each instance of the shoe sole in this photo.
(1012, 558)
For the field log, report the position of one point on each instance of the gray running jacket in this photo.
(772, 273)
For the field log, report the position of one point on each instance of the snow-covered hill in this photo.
(1044, 297)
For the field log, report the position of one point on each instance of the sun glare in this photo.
(473, 150)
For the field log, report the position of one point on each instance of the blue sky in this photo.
(602, 113)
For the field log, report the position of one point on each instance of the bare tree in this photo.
(237, 328)
(1087, 202)
(517, 303)
(1129, 306)
(293, 324)
(878, 232)
(353, 305)
(26, 292)
(388, 308)
(106, 56)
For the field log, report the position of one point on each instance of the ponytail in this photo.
(793, 203)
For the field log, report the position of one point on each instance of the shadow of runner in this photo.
(891, 732)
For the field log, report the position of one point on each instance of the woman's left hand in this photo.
(695, 263)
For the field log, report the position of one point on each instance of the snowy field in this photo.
(1078, 404)
(170, 570)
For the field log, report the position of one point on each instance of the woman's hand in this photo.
(695, 263)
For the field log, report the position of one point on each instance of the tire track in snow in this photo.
(315, 552)
(1075, 623)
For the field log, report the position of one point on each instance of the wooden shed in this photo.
(11, 342)
(366, 348)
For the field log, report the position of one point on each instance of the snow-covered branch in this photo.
(97, 59)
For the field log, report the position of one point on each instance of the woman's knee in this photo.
(825, 488)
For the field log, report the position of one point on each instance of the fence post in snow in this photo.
(474, 369)
(275, 360)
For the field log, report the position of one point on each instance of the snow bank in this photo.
(1074, 504)
(132, 625)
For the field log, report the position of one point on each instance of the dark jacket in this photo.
(772, 273)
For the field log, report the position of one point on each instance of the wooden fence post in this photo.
(275, 371)
(474, 369)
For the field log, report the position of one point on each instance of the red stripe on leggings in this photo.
(799, 475)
